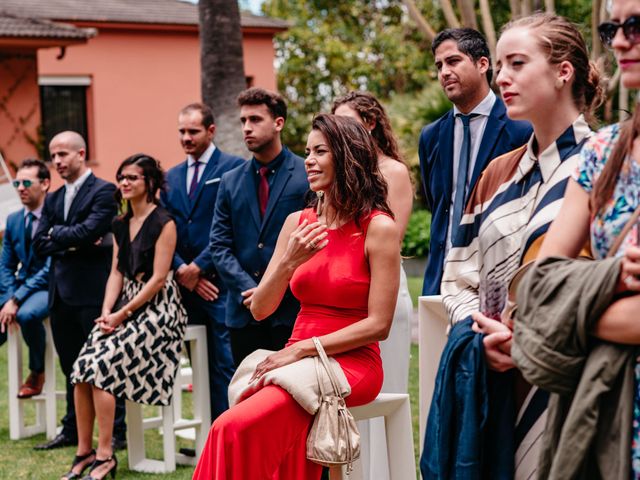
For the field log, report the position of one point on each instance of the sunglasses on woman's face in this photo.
(630, 29)
(26, 183)
(129, 178)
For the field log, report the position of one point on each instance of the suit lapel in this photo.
(206, 175)
(23, 254)
(281, 180)
(59, 204)
(250, 193)
(445, 144)
(79, 197)
(182, 186)
(495, 124)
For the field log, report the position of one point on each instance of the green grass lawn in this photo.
(18, 460)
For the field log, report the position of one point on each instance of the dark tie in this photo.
(28, 231)
(460, 199)
(263, 190)
(194, 181)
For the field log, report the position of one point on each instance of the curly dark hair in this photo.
(359, 187)
(153, 178)
(259, 96)
(372, 111)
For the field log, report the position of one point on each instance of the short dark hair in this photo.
(43, 170)
(470, 42)
(205, 111)
(259, 96)
(153, 177)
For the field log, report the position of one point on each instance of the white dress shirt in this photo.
(204, 159)
(476, 127)
(71, 189)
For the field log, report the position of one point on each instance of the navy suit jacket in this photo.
(242, 243)
(193, 218)
(22, 272)
(80, 246)
(501, 135)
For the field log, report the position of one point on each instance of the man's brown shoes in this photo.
(32, 385)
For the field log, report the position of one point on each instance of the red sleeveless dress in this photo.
(264, 437)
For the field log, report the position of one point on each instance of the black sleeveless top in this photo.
(136, 256)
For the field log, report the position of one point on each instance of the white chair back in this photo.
(432, 337)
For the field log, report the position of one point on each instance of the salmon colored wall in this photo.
(140, 80)
(19, 106)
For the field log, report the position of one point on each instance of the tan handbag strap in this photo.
(623, 233)
(322, 355)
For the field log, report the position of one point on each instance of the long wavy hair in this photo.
(359, 187)
(372, 111)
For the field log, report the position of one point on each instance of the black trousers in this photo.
(248, 339)
(70, 326)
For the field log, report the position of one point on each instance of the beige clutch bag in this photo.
(300, 379)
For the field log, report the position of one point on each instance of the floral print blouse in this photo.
(606, 226)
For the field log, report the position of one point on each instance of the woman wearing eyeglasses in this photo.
(133, 350)
(602, 196)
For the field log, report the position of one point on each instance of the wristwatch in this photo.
(128, 313)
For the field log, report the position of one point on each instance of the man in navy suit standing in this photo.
(24, 276)
(457, 147)
(191, 198)
(253, 202)
(75, 230)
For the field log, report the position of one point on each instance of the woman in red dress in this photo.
(343, 265)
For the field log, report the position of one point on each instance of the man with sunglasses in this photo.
(74, 230)
(24, 276)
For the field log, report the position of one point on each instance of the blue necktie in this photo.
(28, 231)
(460, 199)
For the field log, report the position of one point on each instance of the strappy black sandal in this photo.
(97, 463)
(71, 475)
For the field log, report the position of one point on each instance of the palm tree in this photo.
(222, 69)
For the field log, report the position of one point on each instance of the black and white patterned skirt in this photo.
(139, 360)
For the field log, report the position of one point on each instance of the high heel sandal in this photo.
(71, 475)
(97, 463)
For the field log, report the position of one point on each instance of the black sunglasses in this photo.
(630, 29)
(26, 183)
(130, 178)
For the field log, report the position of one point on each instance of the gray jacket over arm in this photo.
(589, 424)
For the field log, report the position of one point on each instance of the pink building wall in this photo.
(140, 78)
(19, 106)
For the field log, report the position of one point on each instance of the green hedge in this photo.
(416, 238)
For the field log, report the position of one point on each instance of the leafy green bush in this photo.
(418, 234)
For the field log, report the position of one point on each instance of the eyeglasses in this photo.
(630, 29)
(26, 183)
(129, 178)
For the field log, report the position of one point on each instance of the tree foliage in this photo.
(333, 47)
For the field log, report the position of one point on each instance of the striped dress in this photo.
(516, 199)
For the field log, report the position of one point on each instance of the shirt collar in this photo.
(273, 165)
(36, 213)
(204, 158)
(554, 154)
(483, 108)
(79, 181)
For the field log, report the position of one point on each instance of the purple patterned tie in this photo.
(194, 181)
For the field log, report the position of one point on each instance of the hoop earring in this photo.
(320, 195)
